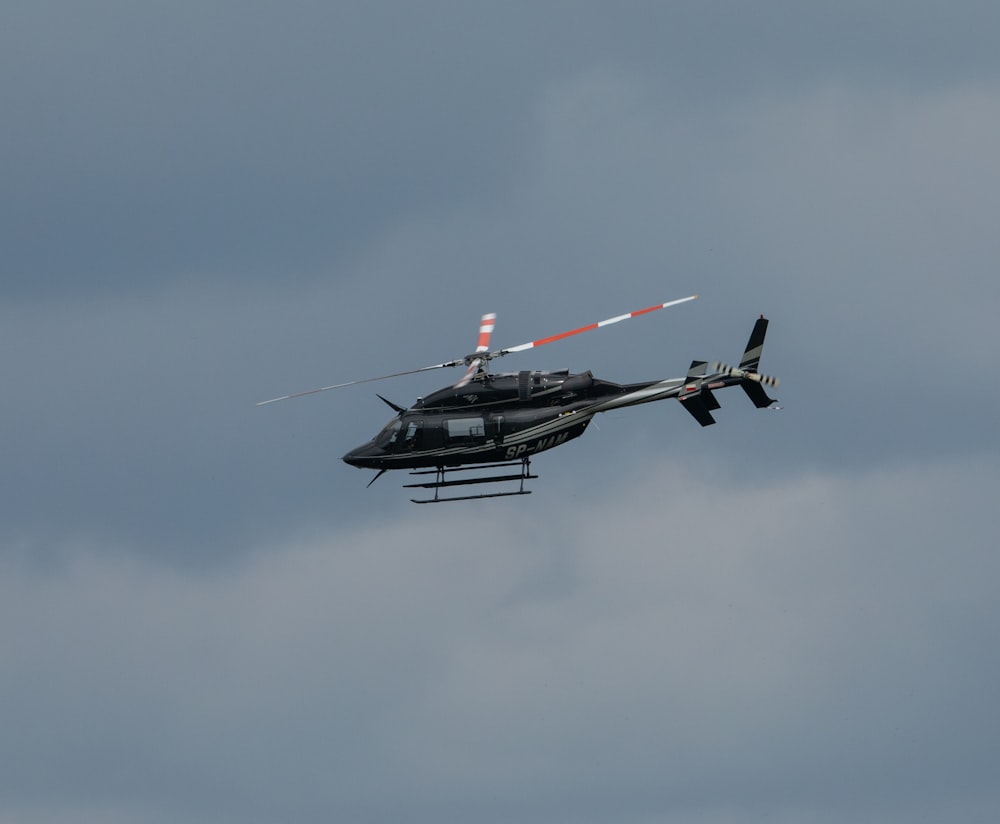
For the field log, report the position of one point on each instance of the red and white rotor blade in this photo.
(486, 326)
(590, 327)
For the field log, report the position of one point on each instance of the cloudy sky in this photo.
(789, 617)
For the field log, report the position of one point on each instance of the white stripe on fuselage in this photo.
(564, 421)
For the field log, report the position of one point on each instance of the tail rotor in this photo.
(742, 374)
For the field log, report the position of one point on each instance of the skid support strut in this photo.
(441, 481)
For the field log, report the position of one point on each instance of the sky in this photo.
(205, 616)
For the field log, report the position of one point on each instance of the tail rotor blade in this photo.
(733, 372)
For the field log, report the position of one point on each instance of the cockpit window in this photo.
(389, 433)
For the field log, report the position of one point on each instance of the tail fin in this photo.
(751, 361)
(751, 356)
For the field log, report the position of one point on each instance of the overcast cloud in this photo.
(205, 616)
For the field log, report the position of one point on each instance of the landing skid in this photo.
(441, 482)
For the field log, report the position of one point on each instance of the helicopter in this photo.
(491, 422)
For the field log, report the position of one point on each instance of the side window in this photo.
(465, 430)
(412, 436)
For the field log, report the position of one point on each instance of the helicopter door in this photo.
(496, 430)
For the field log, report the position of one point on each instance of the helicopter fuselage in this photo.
(498, 418)
(487, 423)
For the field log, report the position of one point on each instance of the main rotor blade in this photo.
(589, 327)
(363, 380)
(486, 325)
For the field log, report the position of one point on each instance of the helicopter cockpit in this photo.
(400, 435)
(389, 433)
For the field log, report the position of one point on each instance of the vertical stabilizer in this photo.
(751, 356)
(751, 361)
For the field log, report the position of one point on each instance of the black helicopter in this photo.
(489, 421)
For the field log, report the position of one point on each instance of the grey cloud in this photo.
(816, 645)
(146, 144)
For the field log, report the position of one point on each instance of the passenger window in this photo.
(466, 429)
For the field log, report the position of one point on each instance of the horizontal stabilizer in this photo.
(700, 405)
